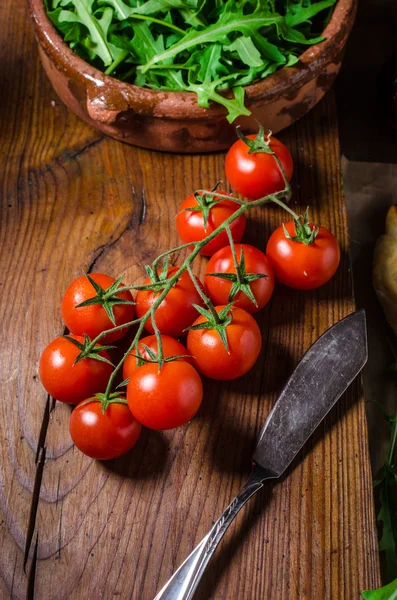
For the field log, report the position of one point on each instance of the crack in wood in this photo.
(142, 214)
(59, 481)
(74, 155)
(32, 573)
(43, 428)
(60, 533)
(49, 407)
(34, 506)
(98, 252)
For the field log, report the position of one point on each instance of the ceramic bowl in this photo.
(172, 121)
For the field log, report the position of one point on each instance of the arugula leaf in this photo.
(235, 106)
(217, 32)
(247, 51)
(144, 44)
(153, 6)
(121, 9)
(98, 28)
(388, 592)
(267, 49)
(210, 60)
(299, 12)
(201, 46)
(293, 35)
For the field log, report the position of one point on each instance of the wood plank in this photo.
(72, 200)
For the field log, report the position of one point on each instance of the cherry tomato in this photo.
(176, 312)
(70, 382)
(190, 224)
(257, 175)
(103, 435)
(210, 356)
(301, 266)
(165, 399)
(93, 319)
(252, 262)
(171, 347)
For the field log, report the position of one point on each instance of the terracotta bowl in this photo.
(173, 121)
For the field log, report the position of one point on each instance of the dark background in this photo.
(369, 170)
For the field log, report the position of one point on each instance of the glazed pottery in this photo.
(173, 121)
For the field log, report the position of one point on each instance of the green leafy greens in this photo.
(388, 592)
(201, 46)
(385, 484)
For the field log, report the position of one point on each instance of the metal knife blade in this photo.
(321, 377)
(323, 374)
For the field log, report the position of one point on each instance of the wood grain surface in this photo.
(75, 528)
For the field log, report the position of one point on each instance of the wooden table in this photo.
(73, 200)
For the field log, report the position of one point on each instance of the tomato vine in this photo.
(167, 284)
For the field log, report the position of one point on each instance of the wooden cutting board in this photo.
(73, 200)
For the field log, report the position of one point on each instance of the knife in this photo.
(319, 380)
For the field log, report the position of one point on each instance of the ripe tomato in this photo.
(252, 262)
(191, 224)
(210, 356)
(257, 175)
(93, 319)
(176, 312)
(171, 347)
(303, 266)
(70, 382)
(103, 435)
(165, 399)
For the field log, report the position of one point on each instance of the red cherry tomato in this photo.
(190, 224)
(93, 319)
(165, 399)
(176, 312)
(257, 175)
(303, 266)
(70, 382)
(103, 435)
(210, 356)
(255, 262)
(171, 347)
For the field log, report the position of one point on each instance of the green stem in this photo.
(159, 21)
(160, 353)
(280, 166)
(186, 266)
(234, 255)
(172, 67)
(204, 298)
(116, 62)
(285, 207)
(172, 251)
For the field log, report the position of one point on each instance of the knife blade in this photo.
(319, 380)
(321, 377)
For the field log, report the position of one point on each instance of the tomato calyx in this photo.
(219, 324)
(154, 358)
(260, 144)
(158, 278)
(206, 200)
(105, 297)
(240, 280)
(106, 400)
(304, 234)
(87, 350)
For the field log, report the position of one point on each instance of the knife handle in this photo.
(184, 581)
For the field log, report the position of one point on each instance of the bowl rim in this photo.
(115, 92)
